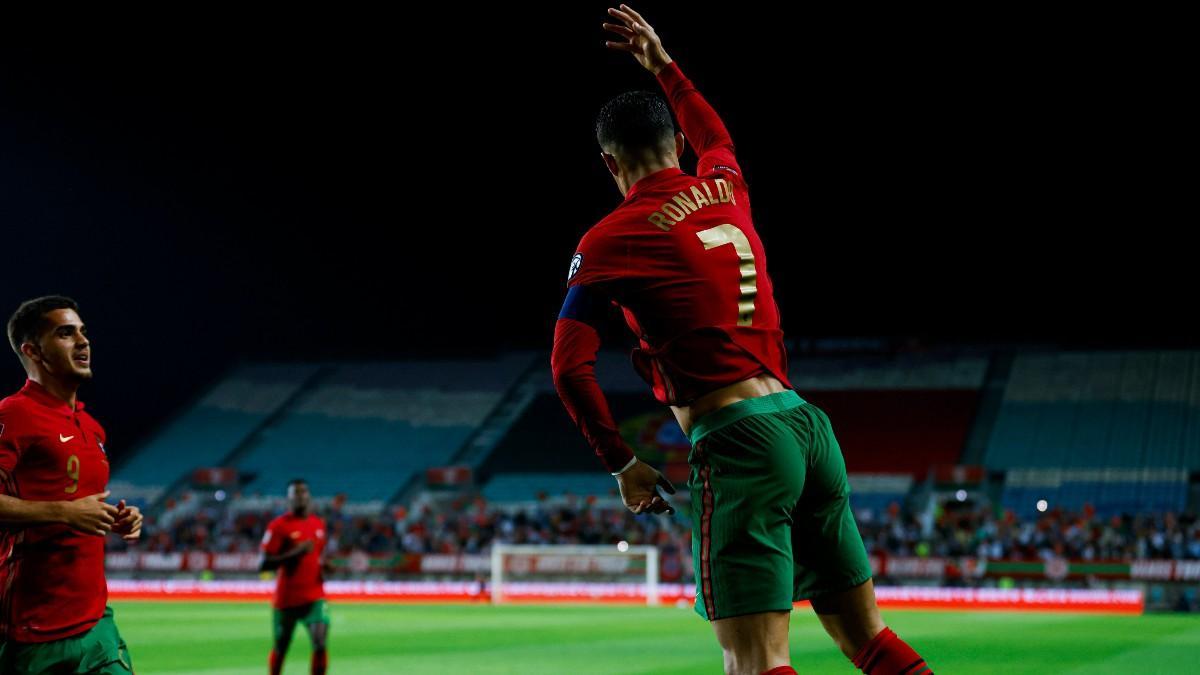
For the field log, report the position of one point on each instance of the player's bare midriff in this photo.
(759, 385)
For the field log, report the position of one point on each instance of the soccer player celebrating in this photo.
(293, 544)
(769, 493)
(53, 518)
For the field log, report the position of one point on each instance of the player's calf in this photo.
(852, 619)
(320, 661)
(279, 650)
(887, 654)
(319, 632)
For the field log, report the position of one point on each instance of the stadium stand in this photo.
(359, 429)
(1117, 430)
(206, 433)
(367, 428)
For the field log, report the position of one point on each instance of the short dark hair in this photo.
(26, 323)
(297, 481)
(634, 122)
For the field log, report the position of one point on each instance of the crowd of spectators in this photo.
(471, 525)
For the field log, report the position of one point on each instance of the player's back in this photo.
(683, 260)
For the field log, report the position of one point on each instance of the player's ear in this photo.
(611, 163)
(680, 144)
(31, 352)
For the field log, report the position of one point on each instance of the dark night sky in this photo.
(354, 186)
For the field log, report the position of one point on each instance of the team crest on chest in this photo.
(576, 261)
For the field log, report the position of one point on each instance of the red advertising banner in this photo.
(890, 597)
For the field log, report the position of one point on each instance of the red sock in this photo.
(887, 654)
(781, 670)
(320, 661)
(276, 662)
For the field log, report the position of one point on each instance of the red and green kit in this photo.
(53, 594)
(682, 261)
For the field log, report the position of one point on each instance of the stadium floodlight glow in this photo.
(961, 495)
(622, 546)
(1042, 505)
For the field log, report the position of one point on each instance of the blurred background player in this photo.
(54, 470)
(293, 544)
(771, 517)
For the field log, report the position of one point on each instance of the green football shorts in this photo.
(98, 651)
(771, 513)
(284, 620)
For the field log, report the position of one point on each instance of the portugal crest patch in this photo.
(576, 261)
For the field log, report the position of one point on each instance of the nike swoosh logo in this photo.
(64, 439)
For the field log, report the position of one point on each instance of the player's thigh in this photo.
(746, 478)
(827, 547)
(283, 624)
(316, 622)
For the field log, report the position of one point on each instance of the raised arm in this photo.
(699, 121)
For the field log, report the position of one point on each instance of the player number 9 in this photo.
(73, 474)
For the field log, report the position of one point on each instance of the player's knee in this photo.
(731, 662)
(318, 637)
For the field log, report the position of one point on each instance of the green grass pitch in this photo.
(234, 638)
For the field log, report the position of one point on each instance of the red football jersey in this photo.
(51, 577)
(682, 259)
(300, 582)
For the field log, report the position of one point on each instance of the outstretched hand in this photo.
(639, 39)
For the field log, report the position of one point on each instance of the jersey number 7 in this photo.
(748, 285)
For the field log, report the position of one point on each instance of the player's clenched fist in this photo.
(129, 522)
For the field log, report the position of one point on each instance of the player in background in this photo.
(769, 492)
(294, 544)
(54, 471)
